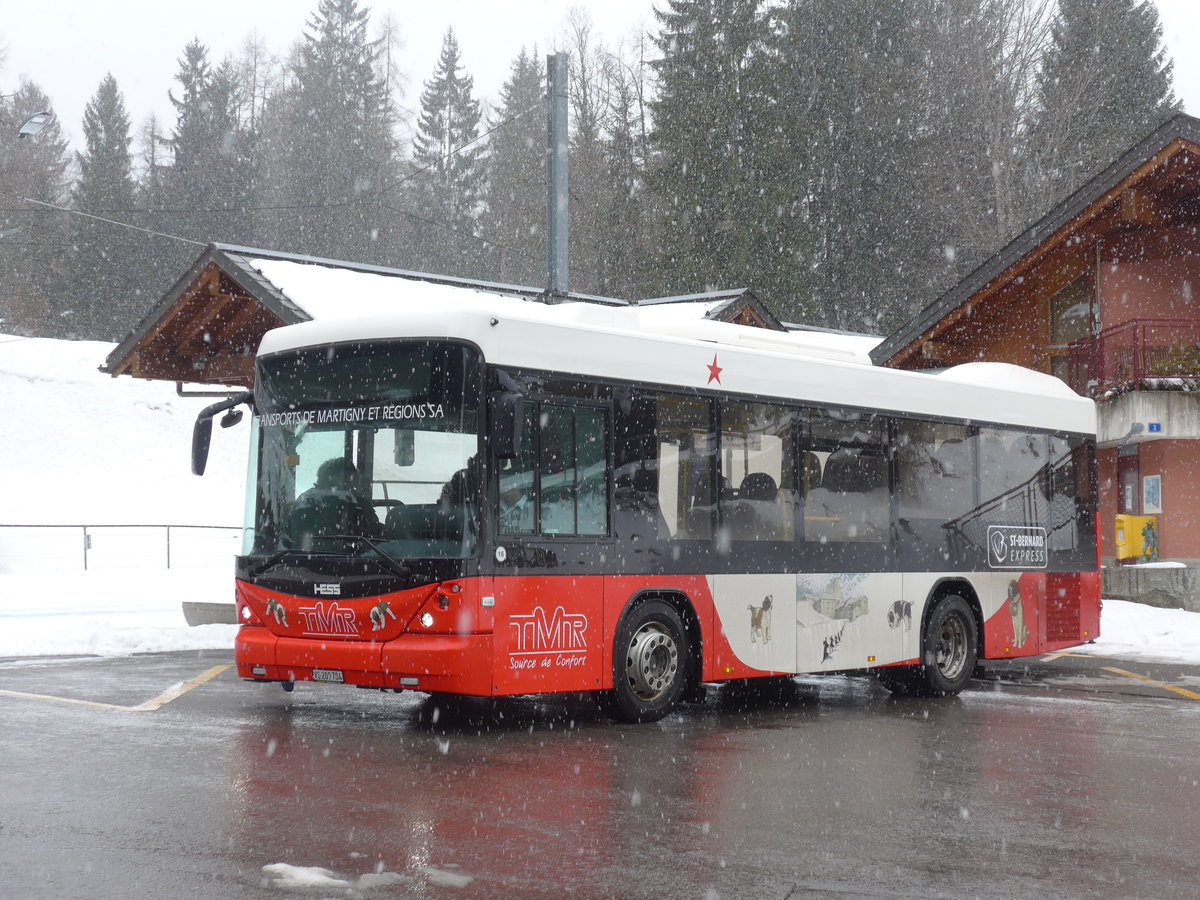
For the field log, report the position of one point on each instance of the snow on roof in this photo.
(1006, 375)
(327, 293)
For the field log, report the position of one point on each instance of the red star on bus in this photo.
(714, 371)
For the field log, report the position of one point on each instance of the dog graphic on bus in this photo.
(1016, 609)
(760, 621)
(900, 615)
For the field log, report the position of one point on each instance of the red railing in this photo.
(1134, 355)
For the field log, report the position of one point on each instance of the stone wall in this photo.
(1170, 588)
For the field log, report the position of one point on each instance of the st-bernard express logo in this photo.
(1016, 547)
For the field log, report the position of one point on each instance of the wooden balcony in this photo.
(1155, 354)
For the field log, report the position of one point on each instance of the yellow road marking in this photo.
(1050, 657)
(1183, 692)
(149, 706)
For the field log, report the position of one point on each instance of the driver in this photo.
(334, 505)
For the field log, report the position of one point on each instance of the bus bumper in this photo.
(458, 663)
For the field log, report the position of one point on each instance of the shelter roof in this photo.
(207, 327)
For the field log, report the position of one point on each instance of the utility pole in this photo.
(557, 73)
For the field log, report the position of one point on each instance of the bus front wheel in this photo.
(650, 663)
(949, 651)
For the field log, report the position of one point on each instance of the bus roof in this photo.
(646, 344)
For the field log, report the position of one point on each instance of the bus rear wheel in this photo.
(650, 663)
(949, 651)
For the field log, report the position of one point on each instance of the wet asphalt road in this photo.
(1061, 778)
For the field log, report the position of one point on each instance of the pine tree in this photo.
(331, 142)
(450, 189)
(826, 155)
(702, 125)
(203, 193)
(885, 126)
(107, 288)
(1105, 83)
(626, 215)
(514, 220)
(33, 238)
(957, 131)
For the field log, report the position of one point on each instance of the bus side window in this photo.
(756, 460)
(686, 464)
(516, 512)
(851, 503)
(935, 484)
(559, 482)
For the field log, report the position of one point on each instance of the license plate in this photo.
(333, 675)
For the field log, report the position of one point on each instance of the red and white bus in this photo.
(502, 497)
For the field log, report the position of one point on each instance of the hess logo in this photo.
(327, 590)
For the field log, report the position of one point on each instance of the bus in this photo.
(503, 497)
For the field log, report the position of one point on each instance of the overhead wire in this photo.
(375, 198)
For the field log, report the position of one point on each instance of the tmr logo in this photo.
(327, 590)
(327, 619)
(534, 633)
(1016, 547)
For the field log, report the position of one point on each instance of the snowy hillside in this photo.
(78, 447)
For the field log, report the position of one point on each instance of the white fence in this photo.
(72, 548)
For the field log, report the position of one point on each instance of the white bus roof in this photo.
(646, 344)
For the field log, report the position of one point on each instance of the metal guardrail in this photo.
(43, 548)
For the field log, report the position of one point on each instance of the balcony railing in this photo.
(1136, 354)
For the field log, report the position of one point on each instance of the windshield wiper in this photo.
(388, 561)
(277, 558)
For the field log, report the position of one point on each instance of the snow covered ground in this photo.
(80, 448)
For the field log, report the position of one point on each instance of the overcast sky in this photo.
(141, 41)
(67, 47)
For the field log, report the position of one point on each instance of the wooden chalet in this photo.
(1104, 292)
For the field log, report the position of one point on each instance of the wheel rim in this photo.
(950, 651)
(652, 662)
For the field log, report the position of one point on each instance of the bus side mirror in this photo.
(202, 430)
(201, 438)
(508, 424)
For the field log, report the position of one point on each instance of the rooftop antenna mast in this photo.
(557, 73)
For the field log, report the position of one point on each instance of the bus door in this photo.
(551, 514)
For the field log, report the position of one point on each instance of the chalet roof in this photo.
(207, 327)
(740, 306)
(1161, 170)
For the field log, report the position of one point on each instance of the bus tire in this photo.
(949, 651)
(650, 663)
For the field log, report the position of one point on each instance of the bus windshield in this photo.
(367, 449)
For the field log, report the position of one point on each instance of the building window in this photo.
(1071, 316)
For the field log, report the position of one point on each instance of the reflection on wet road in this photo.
(1023, 786)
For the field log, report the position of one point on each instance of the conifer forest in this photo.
(848, 160)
